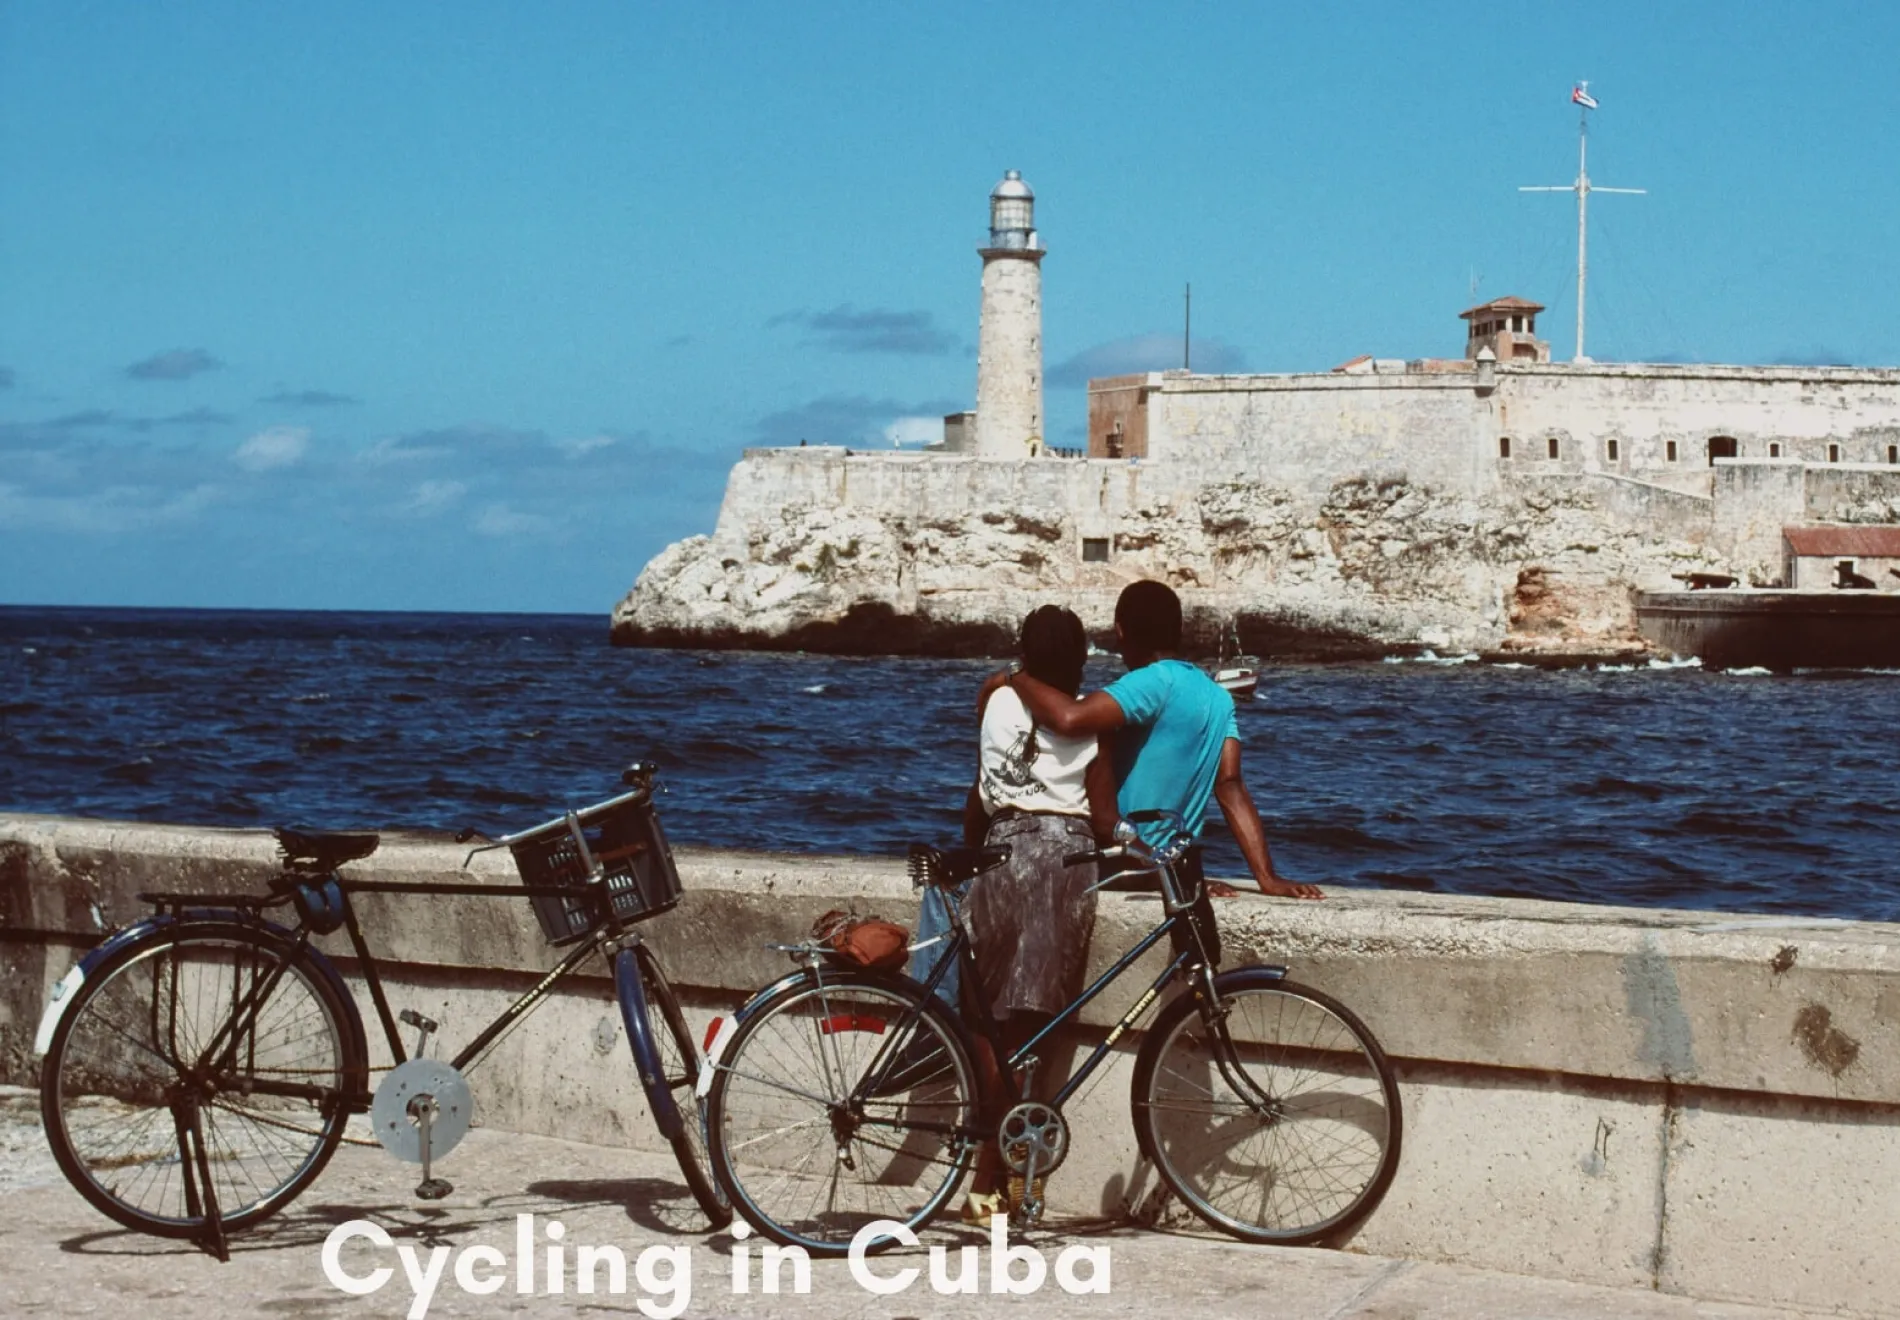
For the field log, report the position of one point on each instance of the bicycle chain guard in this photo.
(1033, 1127)
(409, 1085)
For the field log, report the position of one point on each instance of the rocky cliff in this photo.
(1372, 565)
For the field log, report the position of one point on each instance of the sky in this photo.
(472, 306)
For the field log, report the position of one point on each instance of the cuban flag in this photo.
(1583, 98)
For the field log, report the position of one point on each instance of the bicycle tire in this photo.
(1311, 1153)
(115, 1080)
(678, 1086)
(790, 1071)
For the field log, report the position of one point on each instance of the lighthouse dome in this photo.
(1013, 214)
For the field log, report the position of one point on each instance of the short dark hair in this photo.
(1055, 647)
(1149, 615)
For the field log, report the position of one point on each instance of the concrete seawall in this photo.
(1697, 1102)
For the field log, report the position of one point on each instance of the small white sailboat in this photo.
(1238, 673)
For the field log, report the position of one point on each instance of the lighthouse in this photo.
(1009, 330)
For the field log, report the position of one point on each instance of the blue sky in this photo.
(471, 306)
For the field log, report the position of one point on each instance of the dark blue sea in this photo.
(1646, 786)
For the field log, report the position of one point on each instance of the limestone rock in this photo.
(939, 557)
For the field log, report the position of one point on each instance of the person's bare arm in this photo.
(976, 821)
(1243, 818)
(1058, 712)
(1099, 781)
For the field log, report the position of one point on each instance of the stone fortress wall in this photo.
(1325, 513)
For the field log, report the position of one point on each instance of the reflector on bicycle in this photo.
(838, 1022)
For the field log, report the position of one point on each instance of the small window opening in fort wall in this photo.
(1669, 451)
(1504, 446)
(1833, 453)
(1610, 450)
(1774, 449)
(1721, 446)
(1095, 549)
(1893, 453)
(1552, 445)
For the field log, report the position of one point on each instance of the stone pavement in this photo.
(59, 1257)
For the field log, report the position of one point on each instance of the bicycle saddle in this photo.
(952, 866)
(323, 850)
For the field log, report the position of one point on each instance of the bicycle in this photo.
(201, 1065)
(838, 1097)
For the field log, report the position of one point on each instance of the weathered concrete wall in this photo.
(1700, 1102)
(1645, 406)
(1305, 432)
(1444, 430)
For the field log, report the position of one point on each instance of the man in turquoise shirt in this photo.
(1170, 729)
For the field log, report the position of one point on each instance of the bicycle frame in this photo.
(297, 940)
(1178, 908)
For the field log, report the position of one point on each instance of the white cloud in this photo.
(105, 511)
(435, 496)
(500, 520)
(280, 446)
(587, 445)
(914, 431)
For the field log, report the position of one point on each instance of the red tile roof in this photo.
(1504, 305)
(1861, 542)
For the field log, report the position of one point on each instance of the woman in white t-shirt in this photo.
(1032, 916)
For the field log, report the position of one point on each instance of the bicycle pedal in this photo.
(433, 1189)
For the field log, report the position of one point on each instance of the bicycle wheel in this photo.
(680, 1065)
(146, 1059)
(1280, 1121)
(842, 1100)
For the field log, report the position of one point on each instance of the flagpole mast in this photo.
(1583, 227)
(1583, 188)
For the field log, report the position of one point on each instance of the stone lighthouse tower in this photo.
(1009, 332)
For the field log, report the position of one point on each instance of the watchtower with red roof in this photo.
(1508, 327)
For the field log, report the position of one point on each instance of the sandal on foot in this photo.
(978, 1207)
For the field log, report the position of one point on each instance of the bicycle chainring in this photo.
(1033, 1127)
(398, 1100)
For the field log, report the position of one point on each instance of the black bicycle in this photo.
(201, 1065)
(837, 1097)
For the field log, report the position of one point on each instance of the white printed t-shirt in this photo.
(1047, 777)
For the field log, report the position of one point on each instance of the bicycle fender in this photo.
(725, 1028)
(68, 985)
(728, 1026)
(646, 1055)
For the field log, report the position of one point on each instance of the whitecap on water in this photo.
(815, 688)
(1431, 657)
(1752, 671)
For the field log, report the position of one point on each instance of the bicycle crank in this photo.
(1033, 1131)
(421, 1112)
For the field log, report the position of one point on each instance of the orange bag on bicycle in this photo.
(862, 943)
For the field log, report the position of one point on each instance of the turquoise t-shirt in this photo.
(1169, 751)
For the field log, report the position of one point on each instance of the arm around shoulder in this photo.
(1058, 712)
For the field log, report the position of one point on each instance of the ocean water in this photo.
(1650, 786)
